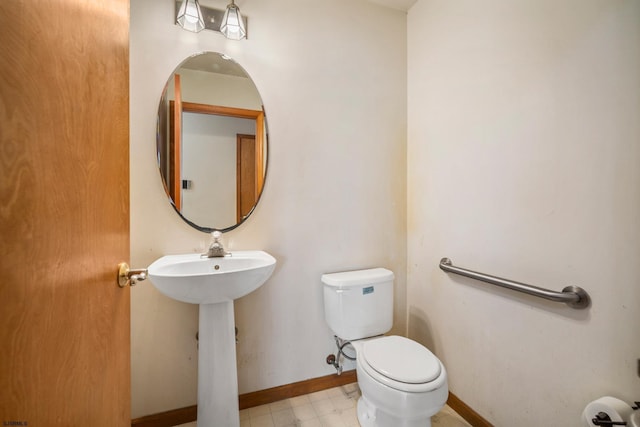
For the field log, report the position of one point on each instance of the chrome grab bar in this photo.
(573, 296)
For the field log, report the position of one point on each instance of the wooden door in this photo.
(246, 182)
(175, 145)
(64, 213)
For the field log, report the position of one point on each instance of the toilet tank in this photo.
(359, 304)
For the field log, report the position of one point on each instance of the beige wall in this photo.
(524, 162)
(209, 161)
(332, 76)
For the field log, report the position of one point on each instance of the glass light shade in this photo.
(190, 16)
(232, 25)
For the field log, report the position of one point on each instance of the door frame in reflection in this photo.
(175, 176)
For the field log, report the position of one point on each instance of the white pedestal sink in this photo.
(214, 283)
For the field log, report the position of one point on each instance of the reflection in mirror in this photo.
(212, 142)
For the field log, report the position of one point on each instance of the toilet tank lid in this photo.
(347, 279)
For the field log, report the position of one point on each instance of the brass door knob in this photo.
(127, 276)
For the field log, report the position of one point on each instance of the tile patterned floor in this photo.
(335, 407)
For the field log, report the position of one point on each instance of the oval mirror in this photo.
(212, 142)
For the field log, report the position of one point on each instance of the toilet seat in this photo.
(401, 363)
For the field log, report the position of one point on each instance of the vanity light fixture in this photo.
(190, 16)
(232, 26)
(193, 17)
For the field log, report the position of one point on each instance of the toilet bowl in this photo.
(402, 383)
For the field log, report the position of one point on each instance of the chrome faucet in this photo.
(216, 250)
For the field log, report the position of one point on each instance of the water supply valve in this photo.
(333, 360)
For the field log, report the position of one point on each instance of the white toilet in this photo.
(402, 383)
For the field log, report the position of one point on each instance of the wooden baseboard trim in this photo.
(275, 394)
(466, 412)
(169, 418)
(249, 400)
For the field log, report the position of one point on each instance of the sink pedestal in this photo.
(213, 284)
(217, 370)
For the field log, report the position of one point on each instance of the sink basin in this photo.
(196, 279)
